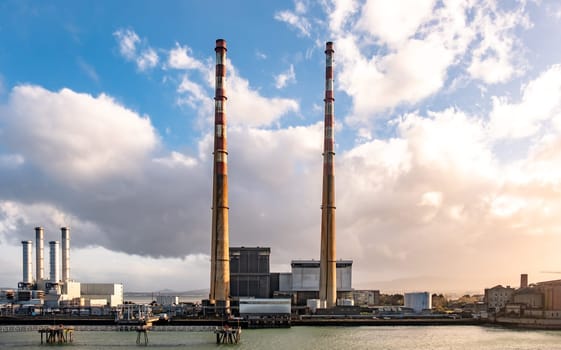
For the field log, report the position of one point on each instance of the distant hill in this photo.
(196, 292)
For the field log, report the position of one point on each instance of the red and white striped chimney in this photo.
(328, 263)
(220, 255)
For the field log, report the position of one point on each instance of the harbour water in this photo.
(388, 338)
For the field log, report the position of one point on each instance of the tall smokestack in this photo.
(65, 253)
(39, 254)
(54, 274)
(328, 278)
(27, 247)
(524, 280)
(220, 259)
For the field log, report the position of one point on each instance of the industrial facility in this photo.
(249, 272)
(57, 290)
(235, 273)
(250, 277)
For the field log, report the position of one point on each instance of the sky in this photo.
(448, 137)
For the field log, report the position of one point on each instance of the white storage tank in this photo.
(418, 301)
(313, 304)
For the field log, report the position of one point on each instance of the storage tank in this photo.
(313, 305)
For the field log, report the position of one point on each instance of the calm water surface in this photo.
(417, 338)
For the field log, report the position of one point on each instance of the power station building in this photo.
(250, 277)
(304, 281)
(249, 272)
(58, 289)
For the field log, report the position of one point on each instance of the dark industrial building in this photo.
(250, 272)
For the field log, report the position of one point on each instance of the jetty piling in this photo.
(57, 335)
(142, 335)
(227, 335)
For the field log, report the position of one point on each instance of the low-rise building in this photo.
(530, 297)
(366, 297)
(498, 296)
(551, 293)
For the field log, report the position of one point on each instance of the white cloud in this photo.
(128, 40)
(388, 55)
(177, 159)
(144, 58)
(393, 23)
(147, 59)
(494, 60)
(300, 7)
(76, 136)
(195, 96)
(295, 20)
(181, 58)
(340, 13)
(414, 67)
(541, 100)
(246, 106)
(285, 78)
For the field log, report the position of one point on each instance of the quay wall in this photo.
(381, 322)
(528, 323)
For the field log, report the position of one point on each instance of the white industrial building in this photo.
(418, 301)
(255, 306)
(111, 292)
(305, 276)
(167, 299)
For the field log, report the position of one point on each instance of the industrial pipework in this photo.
(220, 259)
(328, 268)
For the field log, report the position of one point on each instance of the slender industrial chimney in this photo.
(27, 262)
(220, 260)
(54, 274)
(328, 264)
(39, 254)
(65, 253)
(524, 280)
